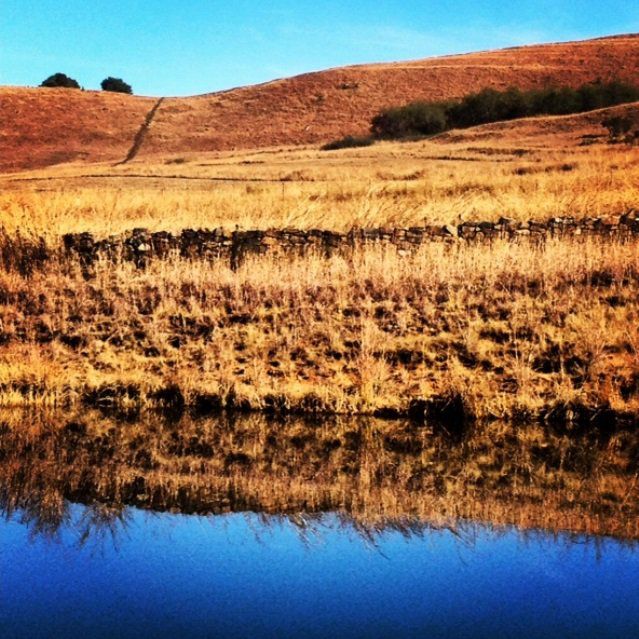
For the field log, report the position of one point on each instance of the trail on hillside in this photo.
(141, 134)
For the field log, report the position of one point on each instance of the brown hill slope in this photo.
(39, 127)
(317, 107)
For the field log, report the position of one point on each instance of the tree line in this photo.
(418, 119)
(490, 105)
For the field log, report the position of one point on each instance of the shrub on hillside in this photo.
(488, 105)
(60, 80)
(554, 101)
(617, 126)
(414, 119)
(348, 142)
(117, 85)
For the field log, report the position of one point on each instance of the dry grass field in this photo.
(535, 168)
(499, 329)
(512, 329)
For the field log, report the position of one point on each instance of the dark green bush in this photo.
(60, 80)
(348, 142)
(490, 105)
(414, 119)
(617, 126)
(117, 85)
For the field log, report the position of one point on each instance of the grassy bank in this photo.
(494, 330)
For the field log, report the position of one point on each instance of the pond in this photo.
(258, 528)
(249, 576)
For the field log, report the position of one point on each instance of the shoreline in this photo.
(446, 413)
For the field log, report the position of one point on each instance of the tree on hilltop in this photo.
(60, 80)
(117, 85)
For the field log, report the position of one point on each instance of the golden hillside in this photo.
(40, 127)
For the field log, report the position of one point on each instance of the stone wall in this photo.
(139, 245)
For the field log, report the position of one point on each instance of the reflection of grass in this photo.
(378, 475)
(507, 329)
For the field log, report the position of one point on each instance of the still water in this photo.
(148, 526)
(148, 575)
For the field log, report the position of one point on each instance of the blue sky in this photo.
(184, 47)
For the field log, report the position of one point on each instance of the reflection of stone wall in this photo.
(140, 244)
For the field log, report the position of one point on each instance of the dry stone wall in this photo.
(140, 245)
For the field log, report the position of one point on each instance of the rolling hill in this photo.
(40, 127)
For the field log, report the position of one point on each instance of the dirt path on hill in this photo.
(141, 134)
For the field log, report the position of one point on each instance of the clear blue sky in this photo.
(183, 47)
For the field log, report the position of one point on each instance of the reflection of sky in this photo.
(233, 576)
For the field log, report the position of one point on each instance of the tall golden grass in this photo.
(513, 328)
(391, 185)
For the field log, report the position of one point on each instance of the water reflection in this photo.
(353, 528)
(377, 475)
(247, 575)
